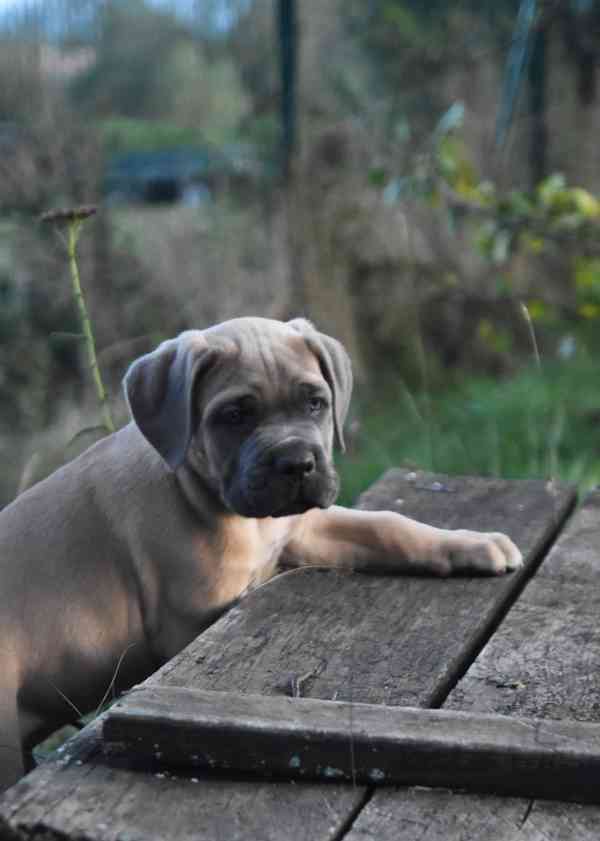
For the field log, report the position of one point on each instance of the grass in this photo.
(541, 423)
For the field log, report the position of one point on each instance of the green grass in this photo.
(539, 424)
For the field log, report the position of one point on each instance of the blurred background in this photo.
(419, 179)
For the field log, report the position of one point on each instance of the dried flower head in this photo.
(69, 215)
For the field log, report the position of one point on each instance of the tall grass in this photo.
(544, 422)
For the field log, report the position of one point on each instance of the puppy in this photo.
(119, 559)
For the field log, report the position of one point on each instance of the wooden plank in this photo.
(382, 640)
(80, 795)
(419, 814)
(543, 661)
(546, 660)
(310, 739)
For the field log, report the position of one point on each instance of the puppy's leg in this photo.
(390, 542)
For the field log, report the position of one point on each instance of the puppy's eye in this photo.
(316, 405)
(232, 415)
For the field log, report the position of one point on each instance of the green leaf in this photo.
(585, 203)
(587, 274)
(589, 311)
(503, 285)
(531, 243)
(378, 177)
(550, 187)
(519, 203)
(538, 310)
(402, 20)
(485, 193)
(484, 239)
(456, 167)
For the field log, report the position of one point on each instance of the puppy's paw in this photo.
(486, 553)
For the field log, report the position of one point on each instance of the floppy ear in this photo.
(160, 392)
(336, 368)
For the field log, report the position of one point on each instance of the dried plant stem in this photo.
(551, 457)
(532, 336)
(74, 228)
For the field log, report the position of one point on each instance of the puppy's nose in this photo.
(295, 465)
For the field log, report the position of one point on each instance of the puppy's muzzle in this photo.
(282, 479)
(295, 462)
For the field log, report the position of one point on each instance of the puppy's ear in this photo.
(336, 369)
(160, 392)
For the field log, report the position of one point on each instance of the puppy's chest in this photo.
(245, 556)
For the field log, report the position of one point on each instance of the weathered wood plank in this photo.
(417, 814)
(80, 795)
(382, 640)
(543, 661)
(309, 739)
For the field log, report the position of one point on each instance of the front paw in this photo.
(487, 553)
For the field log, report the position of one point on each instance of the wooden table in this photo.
(525, 645)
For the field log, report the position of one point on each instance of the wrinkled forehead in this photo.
(265, 357)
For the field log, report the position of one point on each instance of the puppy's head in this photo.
(252, 406)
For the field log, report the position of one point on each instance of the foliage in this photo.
(552, 221)
(187, 82)
(122, 80)
(125, 134)
(542, 423)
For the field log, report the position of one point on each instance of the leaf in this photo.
(456, 167)
(501, 247)
(570, 207)
(519, 203)
(448, 156)
(392, 192)
(532, 244)
(585, 203)
(453, 118)
(402, 20)
(496, 340)
(550, 187)
(503, 285)
(589, 311)
(568, 221)
(485, 193)
(484, 240)
(378, 177)
(538, 310)
(587, 274)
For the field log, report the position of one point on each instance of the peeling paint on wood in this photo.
(369, 743)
